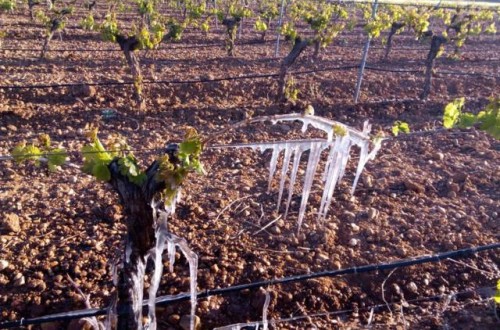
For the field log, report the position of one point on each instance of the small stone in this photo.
(322, 257)
(19, 279)
(438, 156)
(12, 128)
(368, 181)
(198, 210)
(354, 227)
(353, 242)
(83, 91)
(410, 185)
(275, 230)
(349, 215)
(214, 268)
(185, 322)
(174, 319)
(10, 223)
(3, 264)
(441, 210)
(412, 287)
(401, 251)
(372, 213)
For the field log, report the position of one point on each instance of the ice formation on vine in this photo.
(340, 139)
(165, 240)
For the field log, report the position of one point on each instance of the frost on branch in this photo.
(339, 140)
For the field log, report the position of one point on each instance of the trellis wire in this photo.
(164, 300)
(253, 76)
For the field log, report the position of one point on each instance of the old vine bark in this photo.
(129, 45)
(395, 27)
(436, 43)
(231, 25)
(298, 47)
(136, 200)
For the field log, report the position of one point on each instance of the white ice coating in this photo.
(264, 312)
(164, 241)
(284, 170)
(138, 289)
(339, 146)
(312, 163)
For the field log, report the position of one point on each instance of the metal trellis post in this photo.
(365, 55)
(280, 22)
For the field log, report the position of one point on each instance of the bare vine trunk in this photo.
(129, 45)
(136, 201)
(436, 43)
(317, 47)
(298, 47)
(231, 25)
(395, 27)
(45, 47)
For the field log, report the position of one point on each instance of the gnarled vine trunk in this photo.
(139, 217)
(55, 24)
(129, 45)
(436, 43)
(298, 47)
(231, 25)
(395, 27)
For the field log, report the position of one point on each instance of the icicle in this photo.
(272, 164)
(339, 154)
(171, 255)
(192, 259)
(364, 157)
(160, 233)
(264, 311)
(329, 177)
(312, 164)
(297, 153)
(138, 289)
(284, 171)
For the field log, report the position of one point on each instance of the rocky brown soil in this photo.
(424, 193)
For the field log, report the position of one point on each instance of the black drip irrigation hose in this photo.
(214, 45)
(254, 76)
(165, 300)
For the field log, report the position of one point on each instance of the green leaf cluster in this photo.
(7, 5)
(487, 120)
(400, 126)
(187, 160)
(150, 37)
(38, 151)
(96, 159)
(88, 22)
(260, 25)
(109, 28)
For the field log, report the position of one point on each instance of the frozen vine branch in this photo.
(339, 140)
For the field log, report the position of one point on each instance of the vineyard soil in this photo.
(424, 193)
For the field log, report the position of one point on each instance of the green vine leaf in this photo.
(496, 297)
(101, 172)
(38, 152)
(400, 126)
(452, 112)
